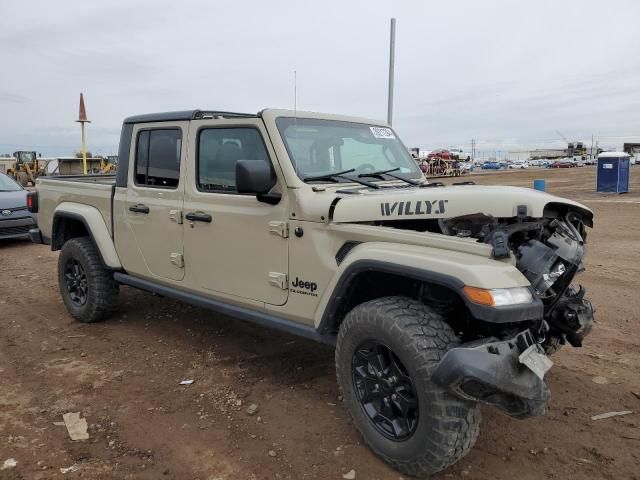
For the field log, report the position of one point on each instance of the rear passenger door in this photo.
(155, 194)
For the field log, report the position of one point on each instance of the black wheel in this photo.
(385, 352)
(88, 289)
(76, 282)
(385, 390)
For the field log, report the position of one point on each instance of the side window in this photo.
(218, 151)
(158, 158)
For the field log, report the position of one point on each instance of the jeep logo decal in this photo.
(421, 207)
(304, 287)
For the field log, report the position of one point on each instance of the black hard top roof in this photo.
(183, 115)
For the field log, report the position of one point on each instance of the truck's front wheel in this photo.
(385, 352)
(88, 289)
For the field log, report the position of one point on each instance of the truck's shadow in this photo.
(262, 352)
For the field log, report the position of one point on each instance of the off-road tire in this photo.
(447, 427)
(102, 289)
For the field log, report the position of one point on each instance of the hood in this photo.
(9, 200)
(438, 202)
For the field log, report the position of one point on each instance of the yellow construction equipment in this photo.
(77, 166)
(26, 167)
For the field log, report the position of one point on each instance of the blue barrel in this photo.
(539, 184)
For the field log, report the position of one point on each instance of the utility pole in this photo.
(82, 119)
(592, 156)
(392, 60)
(473, 150)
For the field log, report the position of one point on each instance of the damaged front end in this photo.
(549, 252)
(504, 365)
(541, 236)
(507, 374)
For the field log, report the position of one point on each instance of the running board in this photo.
(260, 318)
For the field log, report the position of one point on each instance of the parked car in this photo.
(466, 166)
(443, 154)
(15, 219)
(460, 154)
(560, 164)
(519, 164)
(492, 166)
(539, 163)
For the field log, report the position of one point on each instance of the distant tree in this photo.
(79, 154)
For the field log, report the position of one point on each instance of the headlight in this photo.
(498, 296)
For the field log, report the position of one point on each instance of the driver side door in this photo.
(235, 245)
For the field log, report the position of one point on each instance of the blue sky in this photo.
(508, 73)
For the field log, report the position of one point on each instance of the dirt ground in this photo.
(123, 375)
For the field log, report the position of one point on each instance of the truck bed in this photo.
(93, 191)
(101, 179)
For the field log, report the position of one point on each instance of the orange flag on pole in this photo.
(82, 115)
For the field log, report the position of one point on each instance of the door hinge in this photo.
(279, 228)
(176, 216)
(177, 259)
(279, 280)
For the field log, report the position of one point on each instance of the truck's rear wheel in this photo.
(88, 289)
(385, 352)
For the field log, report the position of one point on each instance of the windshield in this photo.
(322, 147)
(8, 185)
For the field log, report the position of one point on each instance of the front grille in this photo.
(14, 230)
(15, 209)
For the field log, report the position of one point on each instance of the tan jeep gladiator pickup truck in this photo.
(437, 298)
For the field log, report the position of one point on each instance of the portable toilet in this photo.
(612, 174)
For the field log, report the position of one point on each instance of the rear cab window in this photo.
(158, 156)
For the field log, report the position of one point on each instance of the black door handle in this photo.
(139, 209)
(198, 217)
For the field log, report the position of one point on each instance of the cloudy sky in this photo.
(509, 74)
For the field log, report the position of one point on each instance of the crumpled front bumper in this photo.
(490, 371)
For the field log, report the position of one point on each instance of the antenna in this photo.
(295, 117)
(392, 61)
(295, 92)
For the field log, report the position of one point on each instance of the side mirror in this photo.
(257, 177)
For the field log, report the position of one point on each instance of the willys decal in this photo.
(419, 207)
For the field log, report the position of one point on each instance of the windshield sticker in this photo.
(382, 132)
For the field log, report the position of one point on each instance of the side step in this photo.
(242, 313)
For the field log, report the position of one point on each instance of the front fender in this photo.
(448, 268)
(95, 225)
